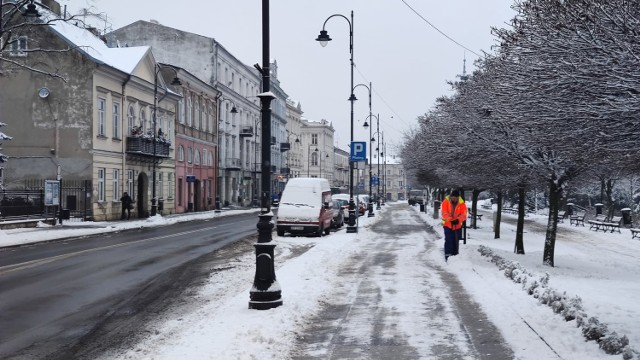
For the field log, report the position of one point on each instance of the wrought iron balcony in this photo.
(285, 170)
(233, 164)
(285, 146)
(139, 145)
(246, 131)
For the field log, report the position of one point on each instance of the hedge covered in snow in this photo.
(569, 308)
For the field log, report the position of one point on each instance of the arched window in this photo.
(210, 160)
(189, 155)
(181, 110)
(143, 120)
(314, 159)
(189, 110)
(211, 117)
(197, 157)
(180, 153)
(196, 114)
(131, 119)
(205, 117)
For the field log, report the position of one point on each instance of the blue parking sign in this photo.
(358, 150)
(374, 180)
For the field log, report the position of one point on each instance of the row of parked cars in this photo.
(308, 207)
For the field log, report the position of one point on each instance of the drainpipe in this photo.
(122, 121)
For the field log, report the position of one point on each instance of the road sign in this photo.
(358, 150)
(374, 180)
(191, 178)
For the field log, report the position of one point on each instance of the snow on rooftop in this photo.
(124, 59)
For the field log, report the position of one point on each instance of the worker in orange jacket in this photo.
(454, 213)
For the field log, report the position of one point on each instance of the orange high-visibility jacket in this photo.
(460, 213)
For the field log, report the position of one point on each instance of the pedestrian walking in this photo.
(454, 213)
(126, 205)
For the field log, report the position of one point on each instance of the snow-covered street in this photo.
(386, 292)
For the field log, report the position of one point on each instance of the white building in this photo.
(293, 158)
(317, 149)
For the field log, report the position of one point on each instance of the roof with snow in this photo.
(124, 59)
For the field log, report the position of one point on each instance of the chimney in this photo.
(52, 5)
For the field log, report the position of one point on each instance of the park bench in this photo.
(635, 233)
(598, 223)
(577, 218)
(561, 215)
(613, 224)
(486, 206)
(477, 216)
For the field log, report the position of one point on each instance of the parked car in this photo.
(361, 208)
(363, 203)
(339, 213)
(306, 207)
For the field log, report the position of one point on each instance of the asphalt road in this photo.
(58, 299)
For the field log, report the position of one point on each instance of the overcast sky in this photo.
(407, 61)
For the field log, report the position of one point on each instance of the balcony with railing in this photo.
(233, 164)
(144, 146)
(246, 131)
(285, 146)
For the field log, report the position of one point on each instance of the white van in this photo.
(305, 207)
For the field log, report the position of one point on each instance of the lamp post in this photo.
(326, 155)
(323, 38)
(378, 150)
(176, 82)
(366, 125)
(384, 169)
(289, 151)
(220, 99)
(265, 292)
(309, 159)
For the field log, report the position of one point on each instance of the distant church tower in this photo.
(464, 76)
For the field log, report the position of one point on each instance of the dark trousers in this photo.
(451, 238)
(128, 213)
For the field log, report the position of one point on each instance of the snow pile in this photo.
(569, 308)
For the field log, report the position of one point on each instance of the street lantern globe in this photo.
(234, 110)
(297, 141)
(176, 81)
(373, 139)
(365, 125)
(323, 38)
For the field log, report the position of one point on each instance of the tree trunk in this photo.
(608, 191)
(474, 207)
(496, 224)
(555, 193)
(519, 246)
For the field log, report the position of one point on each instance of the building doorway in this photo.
(142, 196)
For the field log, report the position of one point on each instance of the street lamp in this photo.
(289, 151)
(265, 293)
(323, 38)
(220, 99)
(366, 125)
(309, 159)
(175, 82)
(326, 155)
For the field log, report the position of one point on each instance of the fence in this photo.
(29, 201)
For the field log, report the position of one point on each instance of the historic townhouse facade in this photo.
(196, 138)
(317, 146)
(293, 158)
(340, 170)
(238, 105)
(278, 133)
(96, 128)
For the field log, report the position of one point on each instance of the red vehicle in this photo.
(306, 207)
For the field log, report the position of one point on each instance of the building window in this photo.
(314, 139)
(180, 153)
(101, 176)
(196, 114)
(205, 117)
(116, 120)
(181, 110)
(18, 46)
(169, 127)
(161, 185)
(102, 104)
(170, 177)
(131, 121)
(197, 157)
(314, 159)
(180, 191)
(143, 121)
(210, 128)
(116, 184)
(130, 183)
(189, 155)
(189, 110)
